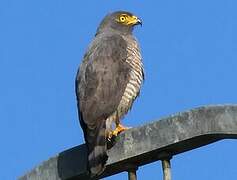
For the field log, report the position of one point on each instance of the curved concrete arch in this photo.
(151, 142)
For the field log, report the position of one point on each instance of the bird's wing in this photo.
(101, 82)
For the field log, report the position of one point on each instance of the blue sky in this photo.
(189, 51)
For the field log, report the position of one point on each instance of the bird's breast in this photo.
(133, 86)
(134, 60)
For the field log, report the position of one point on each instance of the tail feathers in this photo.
(97, 159)
(97, 151)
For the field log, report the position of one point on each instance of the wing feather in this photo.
(100, 84)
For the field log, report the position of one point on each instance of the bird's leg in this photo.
(109, 135)
(109, 130)
(119, 128)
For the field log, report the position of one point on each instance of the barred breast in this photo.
(132, 89)
(136, 75)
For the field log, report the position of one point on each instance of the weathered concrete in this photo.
(151, 142)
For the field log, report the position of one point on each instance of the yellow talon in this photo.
(120, 128)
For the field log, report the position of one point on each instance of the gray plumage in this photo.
(107, 83)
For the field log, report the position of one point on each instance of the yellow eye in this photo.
(122, 18)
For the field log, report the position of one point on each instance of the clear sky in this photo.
(190, 56)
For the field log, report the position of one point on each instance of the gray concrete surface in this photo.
(148, 143)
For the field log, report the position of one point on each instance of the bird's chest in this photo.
(134, 60)
(134, 82)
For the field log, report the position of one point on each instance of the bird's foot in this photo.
(120, 128)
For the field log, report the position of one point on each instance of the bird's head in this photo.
(120, 21)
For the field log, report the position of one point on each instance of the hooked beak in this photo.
(134, 20)
(139, 21)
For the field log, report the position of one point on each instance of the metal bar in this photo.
(132, 174)
(166, 169)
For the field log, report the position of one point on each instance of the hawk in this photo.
(107, 83)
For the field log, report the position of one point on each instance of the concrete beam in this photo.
(151, 142)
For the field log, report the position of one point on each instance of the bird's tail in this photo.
(97, 147)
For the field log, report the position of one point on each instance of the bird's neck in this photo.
(110, 31)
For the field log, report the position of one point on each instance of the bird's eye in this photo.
(122, 18)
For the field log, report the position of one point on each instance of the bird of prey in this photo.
(107, 83)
